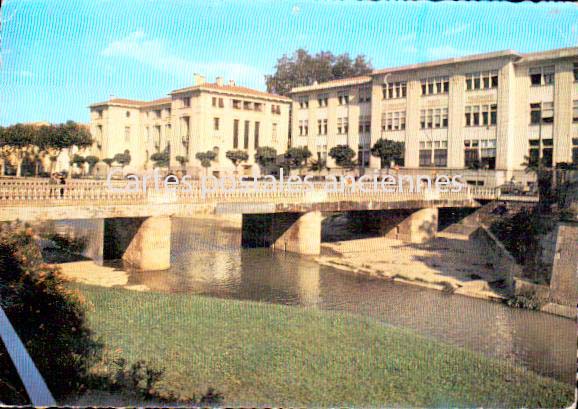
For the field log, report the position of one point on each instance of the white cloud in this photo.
(457, 29)
(156, 54)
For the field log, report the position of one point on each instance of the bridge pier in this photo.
(416, 227)
(143, 242)
(293, 232)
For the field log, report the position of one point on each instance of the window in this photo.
(303, 102)
(480, 154)
(247, 105)
(221, 103)
(365, 94)
(541, 113)
(575, 111)
(127, 114)
(236, 134)
(322, 99)
(215, 101)
(256, 134)
(237, 104)
(304, 127)
(545, 151)
(440, 157)
(99, 114)
(425, 157)
(395, 90)
(438, 85)
(322, 126)
(542, 75)
(575, 70)
(127, 134)
(216, 124)
(481, 80)
(186, 102)
(481, 115)
(575, 151)
(488, 153)
(274, 133)
(393, 121)
(433, 118)
(258, 107)
(471, 159)
(276, 109)
(158, 113)
(343, 97)
(342, 125)
(363, 157)
(246, 136)
(364, 124)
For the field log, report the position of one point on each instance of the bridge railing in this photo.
(102, 194)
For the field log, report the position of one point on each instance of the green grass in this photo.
(265, 354)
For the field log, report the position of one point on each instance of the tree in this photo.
(388, 151)
(296, 157)
(91, 160)
(108, 161)
(544, 180)
(123, 159)
(236, 157)
(266, 157)
(15, 142)
(182, 160)
(161, 159)
(303, 68)
(206, 158)
(78, 161)
(318, 165)
(343, 156)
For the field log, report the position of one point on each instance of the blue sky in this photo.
(60, 56)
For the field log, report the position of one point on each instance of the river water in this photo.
(207, 259)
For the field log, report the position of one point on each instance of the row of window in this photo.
(481, 80)
(246, 134)
(433, 118)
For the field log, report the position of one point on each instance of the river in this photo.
(207, 259)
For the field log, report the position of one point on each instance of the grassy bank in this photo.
(269, 354)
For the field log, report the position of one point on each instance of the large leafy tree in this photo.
(17, 141)
(343, 156)
(388, 151)
(302, 68)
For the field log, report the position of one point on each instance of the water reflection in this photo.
(207, 259)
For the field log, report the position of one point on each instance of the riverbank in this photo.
(263, 354)
(450, 263)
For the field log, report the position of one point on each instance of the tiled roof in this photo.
(120, 101)
(160, 101)
(233, 89)
(334, 83)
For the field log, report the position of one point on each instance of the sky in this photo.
(58, 57)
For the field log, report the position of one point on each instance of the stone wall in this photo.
(564, 282)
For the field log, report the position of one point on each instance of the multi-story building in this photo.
(205, 117)
(481, 115)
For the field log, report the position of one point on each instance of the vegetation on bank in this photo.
(265, 354)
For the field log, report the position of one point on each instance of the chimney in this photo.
(231, 83)
(199, 79)
(219, 81)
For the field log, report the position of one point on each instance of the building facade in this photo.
(205, 117)
(481, 115)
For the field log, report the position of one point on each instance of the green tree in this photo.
(183, 160)
(91, 160)
(296, 157)
(236, 157)
(206, 158)
(318, 165)
(388, 151)
(108, 161)
(123, 159)
(15, 141)
(343, 156)
(266, 157)
(78, 161)
(302, 68)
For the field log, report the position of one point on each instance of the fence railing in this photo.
(99, 193)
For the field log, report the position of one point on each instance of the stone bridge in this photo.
(138, 224)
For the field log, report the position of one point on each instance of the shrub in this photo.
(48, 318)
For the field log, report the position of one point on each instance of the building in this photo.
(481, 115)
(205, 117)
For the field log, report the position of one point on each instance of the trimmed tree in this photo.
(318, 165)
(123, 159)
(161, 159)
(91, 160)
(183, 160)
(296, 157)
(388, 151)
(206, 158)
(266, 157)
(343, 156)
(236, 157)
